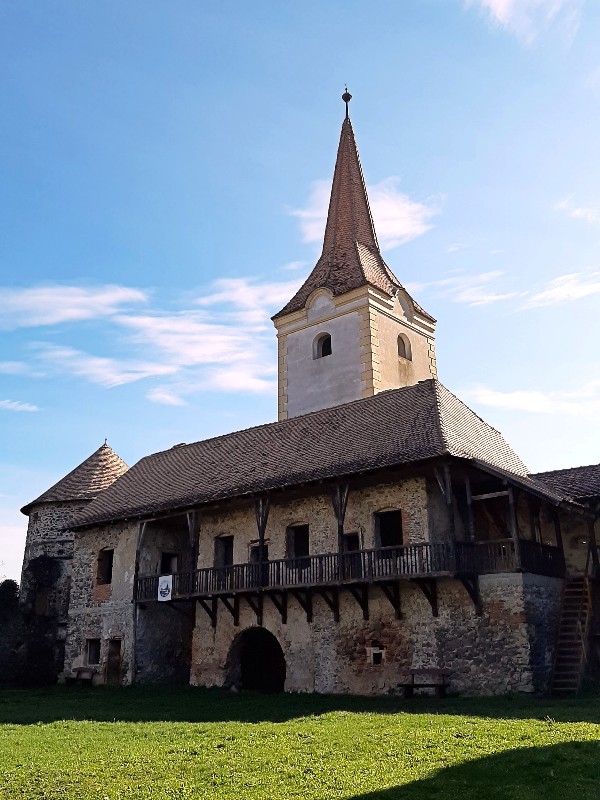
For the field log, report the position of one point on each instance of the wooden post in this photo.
(136, 573)
(470, 519)
(193, 519)
(449, 500)
(512, 525)
(339, 498)
(593, 544)
(261, 508)
(557, 530)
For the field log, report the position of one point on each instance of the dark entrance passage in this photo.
(256, 662)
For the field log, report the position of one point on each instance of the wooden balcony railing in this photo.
(362, 566)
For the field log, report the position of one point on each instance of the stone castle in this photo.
(379, 535)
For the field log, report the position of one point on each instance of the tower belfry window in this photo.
(404, 350)
(322, 346)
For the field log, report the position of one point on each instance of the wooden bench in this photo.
(81, 675)
(425, 678)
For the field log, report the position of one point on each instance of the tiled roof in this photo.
(86, 481)
(400, 426)
(351, 256)
(582, 483)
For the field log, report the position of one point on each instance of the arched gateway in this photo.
(256, 662)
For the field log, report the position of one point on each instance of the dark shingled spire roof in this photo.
(86, 481)
(351, 256)
(399, 426)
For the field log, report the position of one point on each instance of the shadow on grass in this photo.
(556, 772)
(188, 704)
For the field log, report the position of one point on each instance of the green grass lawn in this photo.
(183, 743)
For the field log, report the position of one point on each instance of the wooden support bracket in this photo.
(280, 604)
(233, 606)
(472, 587)
(211, 609)
(332, 598)
(361, 594)
(392, 592)
(257, 606)
(429, 589)
(305, 600)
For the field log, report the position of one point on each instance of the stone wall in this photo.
(505, 649)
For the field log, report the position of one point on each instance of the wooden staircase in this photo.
(573, 634)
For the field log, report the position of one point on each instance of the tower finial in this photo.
(346, 97)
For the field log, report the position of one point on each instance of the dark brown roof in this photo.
(400, 426)
(582, 483)
(86, 481)
(351, 256)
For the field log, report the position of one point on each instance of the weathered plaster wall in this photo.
(487, 654)
(397, 371)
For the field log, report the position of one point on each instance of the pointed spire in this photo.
(87, 480)
(351, 256)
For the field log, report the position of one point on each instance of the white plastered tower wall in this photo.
(365, 325)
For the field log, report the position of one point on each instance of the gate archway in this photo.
(256, 662)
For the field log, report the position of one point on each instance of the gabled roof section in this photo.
(351, 257)
(400, 426)
(582, 483)
(86, 481)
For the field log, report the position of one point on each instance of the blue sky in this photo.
(164, 171)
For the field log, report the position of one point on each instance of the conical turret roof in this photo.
(351, 257)
(86, 481)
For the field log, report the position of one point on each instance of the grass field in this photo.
(183, 743)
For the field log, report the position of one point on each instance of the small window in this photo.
(297, 541)
(375, 655)
(105, 567)
(168, 563)
(388, 529)
(322, 346)
(404, 350)
(223, 551)
(92, 651)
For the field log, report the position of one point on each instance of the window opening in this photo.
(92, 651)
(404, 350)
(322, 347)
(105, 567)
(168, 563)
(388, 529)
(297, 541)
(375, 655)
(223, 551)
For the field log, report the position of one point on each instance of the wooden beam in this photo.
(280, 604)
(360, 593)
(332, 598)
(305, 600)
(593, 545)
(470, 518)
(233, 606)
(449, 500)
(392, 592)
(472, 587)
(489, 495)
(339, 499)
(429, 589)
(261, 509)
(211, 609)
(440, 481)
(513, 525)
(256, 606)
(193, 522)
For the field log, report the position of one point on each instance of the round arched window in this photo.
(404, 350)
(322, 346)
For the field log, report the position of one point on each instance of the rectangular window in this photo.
(168, 563)
(223, 551)
(254, 552)
(388, 529)
(92, 651)
(105, 567)
(297, 541)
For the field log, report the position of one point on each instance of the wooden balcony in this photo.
(464, 560)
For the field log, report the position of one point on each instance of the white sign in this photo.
(165, 587)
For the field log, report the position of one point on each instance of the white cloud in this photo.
(51, 305)
(16, 405)
(528, 19)
(165, 396)
(583, 402)
(564, 289)
(252, 302)
(585, 213)
(472, 290)
(398, 219)
(107, 372)
(456, 247)
(13, 368)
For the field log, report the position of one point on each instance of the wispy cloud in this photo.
(51, 305)
(17, 405)
(398, 219)
(585, 213)
(251, 301)
(528, 19)
(583, 402)
(13, 368)
(165, 396)
(472, 290)
(564, 289)
(456, 247)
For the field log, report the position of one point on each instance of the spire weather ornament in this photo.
(346, 97)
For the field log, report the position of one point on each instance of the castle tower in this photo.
(351, 330)
(46, 574)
